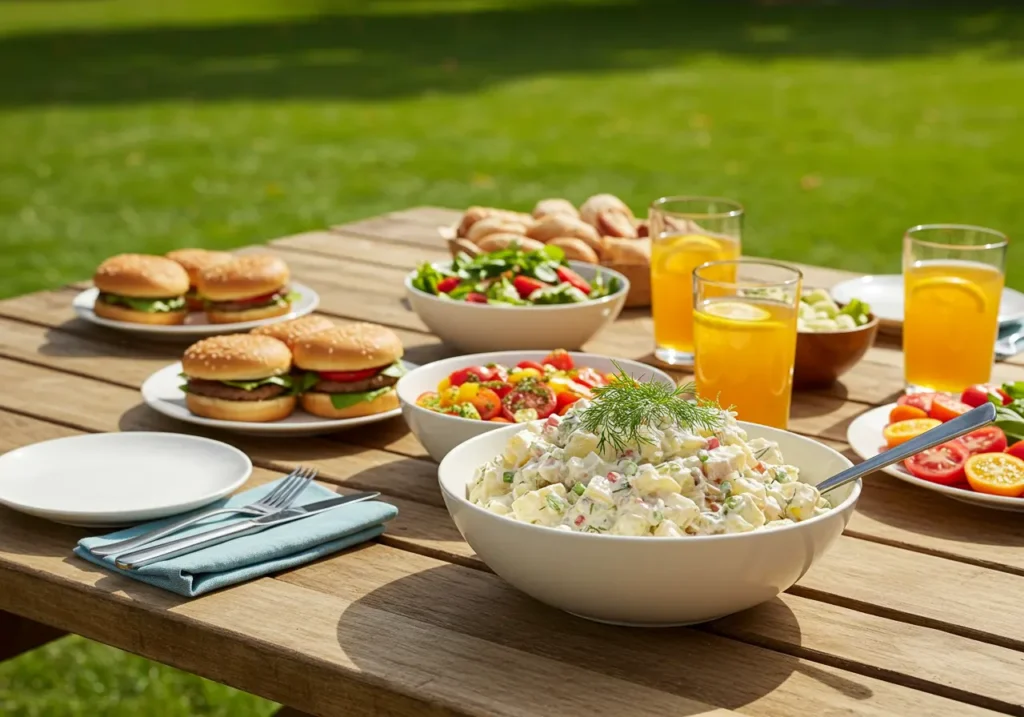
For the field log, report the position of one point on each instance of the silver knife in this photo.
(182, 546)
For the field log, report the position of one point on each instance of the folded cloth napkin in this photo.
(250, 556)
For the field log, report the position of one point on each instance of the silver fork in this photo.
(278, 499)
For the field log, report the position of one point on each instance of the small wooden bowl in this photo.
(822, 357)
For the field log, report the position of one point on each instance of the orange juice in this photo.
(744, 359)
(951, 311)
(673, 259)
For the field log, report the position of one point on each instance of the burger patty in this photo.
(216, 389)
(369, 384)
(246, 305)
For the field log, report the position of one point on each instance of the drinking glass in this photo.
(685, 233)
(744, 330)
(952, 284)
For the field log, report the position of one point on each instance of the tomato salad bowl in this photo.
(440, 432)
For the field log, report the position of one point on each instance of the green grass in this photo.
(145, 126)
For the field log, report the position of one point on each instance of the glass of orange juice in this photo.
(685, 233)
(744, 331)
(952, 285)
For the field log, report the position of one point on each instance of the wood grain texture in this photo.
(19, 635)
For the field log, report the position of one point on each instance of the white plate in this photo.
(196, 325)
(865, 438)
(163, 394)
(884, 293)
(113, 479)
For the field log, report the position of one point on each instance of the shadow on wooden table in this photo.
(686, 662)
(80, 339)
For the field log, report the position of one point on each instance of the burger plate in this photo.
(162, 392)
(196, 326)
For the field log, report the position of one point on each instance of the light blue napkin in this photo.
(250, 556)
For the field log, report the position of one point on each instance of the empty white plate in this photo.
(196, 326)
(865, 438)
(162, 392)
(884, 293)
(114, 479)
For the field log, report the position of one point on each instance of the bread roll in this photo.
(561, 225)
(475, 214)
(613, 223)
(575, 249)
(617, 250)
(497, 242)
(494, 225)
(547, 207)
(603, 202)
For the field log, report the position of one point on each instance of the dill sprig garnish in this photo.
(622, 409)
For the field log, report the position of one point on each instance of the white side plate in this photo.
(113, 479)
(196, 326)
(163, 394)
(865, 438)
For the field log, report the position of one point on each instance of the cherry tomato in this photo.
(979, 394)
(526, 285)
(427, 398)
(500, 372)
(918, 400)
(529, 394)
(1017, 449)
(903, 431)
(943, 464)
(996, 474)
(531, 364)
(945, 408)
(502, 388)
(487, 403)
(564, 400)
(589, 377)
(989, 439)
(470, 374)
(560, 359)
(571, 277)
(446, 284)
(348, 376)
(905, 413)
(475, 298)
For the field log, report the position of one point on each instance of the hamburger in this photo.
(349, 370)
(291, 331)
(194, 261)
(247, 288)
(240, 377)
(142, 289)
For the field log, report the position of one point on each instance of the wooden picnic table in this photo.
(917, 609)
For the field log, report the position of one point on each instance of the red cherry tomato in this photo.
(500, 372)
(989, 439)
(529, 394)
(487, 403)
(1017, 449)
(918, 400)
(560, 359)
(526, 285)
(530, 364)
(571, 277)
(502, 388)
(943, 464)
(471, 374)
(446, 284)
(589, 377)
(979, 394)
(946, 408)
(564, 400)
(475, 298)
(348, 376)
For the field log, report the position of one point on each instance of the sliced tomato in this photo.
(1017, 449)
(560, 359)
(980, 393)
(943, 464)
(427, 399)
(905, 413)
(470, 374)
(475, 298)
(571, 277)
(989, 439)
(564, 400)
(261, 299)
(918, 400)
(487, 403)
(946, 408)
(996, 474)
(590, 378)
(531, 364)
(529, 394)
(500, 372)
(348, 376)
(526, 285)
(903, 431)
(447, 284)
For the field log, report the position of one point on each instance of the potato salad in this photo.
(675, 481)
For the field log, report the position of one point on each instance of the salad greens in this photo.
(150, 306)
(1010, 417)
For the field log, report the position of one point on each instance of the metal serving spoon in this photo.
(970, 421)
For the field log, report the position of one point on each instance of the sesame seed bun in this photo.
(123, 313)
(236, 357)
(194, 261)
(273, 409)
(291, 331)
(319, 404)
(243, 278)
(141, 276)
(257, 314)
(352, 347)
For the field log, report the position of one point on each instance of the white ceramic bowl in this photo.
(488, 327)
(439, 433)
(648, 581)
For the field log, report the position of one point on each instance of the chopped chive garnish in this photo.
(508, 476)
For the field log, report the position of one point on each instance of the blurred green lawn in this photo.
(147, 126)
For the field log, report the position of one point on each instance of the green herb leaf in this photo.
(507, 476)
(1014, 390)
(555, 503)
(579, 489)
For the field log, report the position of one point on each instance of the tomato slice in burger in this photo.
(943, 464)
(989, 439)
(529, 394)
(945, 408)
(348, 376)
(918, 400)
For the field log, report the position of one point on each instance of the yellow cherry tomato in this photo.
(903, 431)
(443, 384)
(996, 474)
(467, 392)
(449, 396)
(520, 373)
